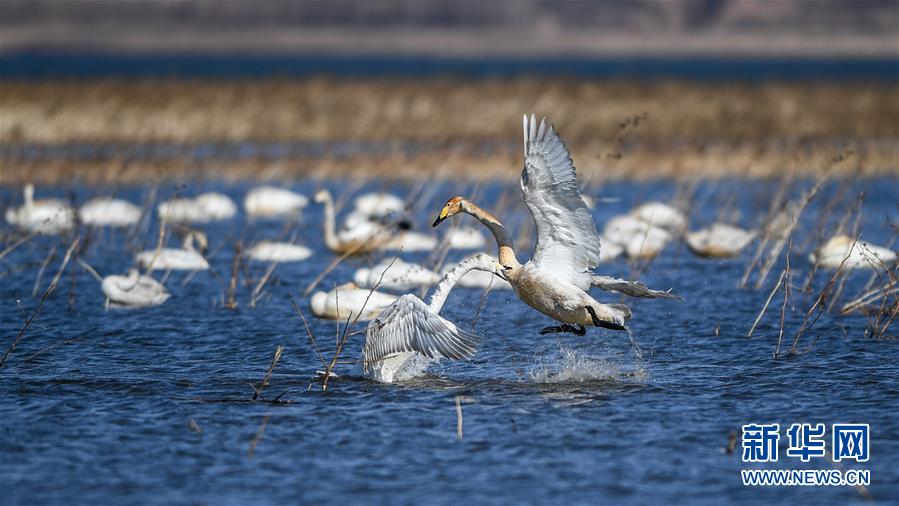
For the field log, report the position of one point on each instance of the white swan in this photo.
(395, 274)
(346, 301)
(204, 208)
(409, 328)
(660, 215)
(380, 208)
(134, 290)
(856, 253)
(45, 216)
(720, 240)
(270, 251)
(555, 281)
(368, 236)
(272, 202)
(465, 238)
(186, 259)
(637, 238)
(109, 212)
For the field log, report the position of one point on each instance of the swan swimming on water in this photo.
(395, 274)
(635, 237)
(109, 212)
(45, 216)
(134, 290)
(203, 208)
(346, 301)
(270, 251)
(720, 240)
(851, 254)
(187, 258)
(409, 328)
(381, 208)
(273, 202)
(555, 281)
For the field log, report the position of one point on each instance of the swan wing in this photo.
(567, 241)
(408, 325)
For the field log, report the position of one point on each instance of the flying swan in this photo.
(555, 281)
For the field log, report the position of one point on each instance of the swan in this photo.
(186, 258)
(720, 240)
(465, 238)
(395, 275)
(660, 215)
(555, 281)
(134, 290)
(409, 328)
(368, 236)
(382, 208)
(273, 202)
(856, 253)
(203, 208)
(637, 238)
(346, 301)
(270, 251)
(109, 212)
(45, 216)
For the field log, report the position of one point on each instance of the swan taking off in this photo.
(273, 202)
(410, 328)
(348, 300)
(45, 216)
(555, 281)
(185, 259)
(134, 290)
(109, 212)
(856, 253)
(395, 275)
(270, 251)
(204, 208)
(719, 240)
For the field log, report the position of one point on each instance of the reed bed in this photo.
(438, 127)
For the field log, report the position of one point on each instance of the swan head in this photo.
(452, 207)
(322, 196)
(198, 239)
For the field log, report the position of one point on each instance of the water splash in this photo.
(575, 367)
(413, 368)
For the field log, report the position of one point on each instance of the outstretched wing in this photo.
(567, 241)
(408, 325)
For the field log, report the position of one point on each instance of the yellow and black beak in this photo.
(443, 215)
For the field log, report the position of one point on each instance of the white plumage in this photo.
(347, 300)
(852, 254)
(109, 212)
(187, 258)
(45, 216)
(204, 208)
(410, 328)
(270, 251)
(272, 202)
(134, 290)
(395, 274)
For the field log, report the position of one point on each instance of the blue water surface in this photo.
(153, 406)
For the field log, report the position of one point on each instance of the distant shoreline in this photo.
(58, 64)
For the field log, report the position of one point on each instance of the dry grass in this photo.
(447, 127)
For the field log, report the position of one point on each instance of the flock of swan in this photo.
(404, 330)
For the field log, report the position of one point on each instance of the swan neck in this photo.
(506, 252)
(330, 224)
(28, 194)
(445, 286)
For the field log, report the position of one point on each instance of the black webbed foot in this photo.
(564, 328)
(601, 323)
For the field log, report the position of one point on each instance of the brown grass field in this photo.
(448, 127)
